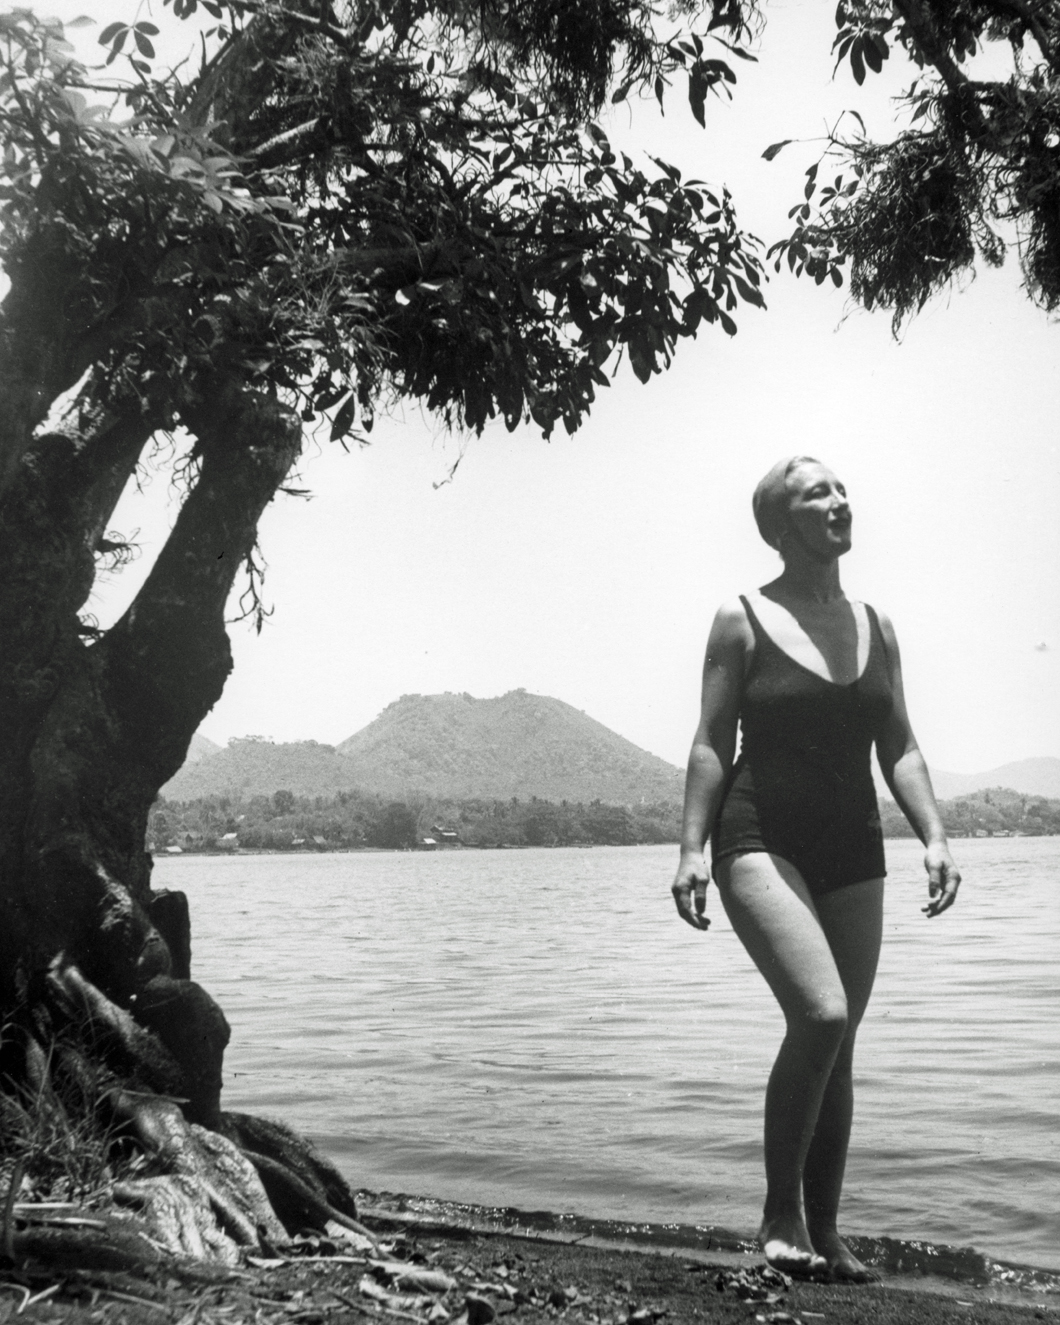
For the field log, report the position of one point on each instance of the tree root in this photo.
(209, 1203)
(306, 1191)
(131, 1092)
(107, 1248)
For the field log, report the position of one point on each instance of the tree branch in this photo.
(52, 516)
(166, 661)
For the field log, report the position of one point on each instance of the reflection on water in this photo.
(538, 1029)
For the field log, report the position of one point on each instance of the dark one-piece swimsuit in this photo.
(802, 786)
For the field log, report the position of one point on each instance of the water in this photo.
(537, 1029)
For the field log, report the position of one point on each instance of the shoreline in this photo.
(913, 1264)
(430, 1271)
(164, 853)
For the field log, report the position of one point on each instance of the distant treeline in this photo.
(985, 814)
(285, 822)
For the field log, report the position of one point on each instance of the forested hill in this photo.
(452, 746)
(516, 745)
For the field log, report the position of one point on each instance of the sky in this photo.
(589, 567)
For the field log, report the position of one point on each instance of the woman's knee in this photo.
(825, 1021)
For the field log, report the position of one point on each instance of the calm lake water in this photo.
(538, 1029)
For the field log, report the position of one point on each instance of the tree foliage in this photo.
(407, 199)
(328, 207)
(975, 170)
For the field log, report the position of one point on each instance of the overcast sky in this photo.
(589, 568)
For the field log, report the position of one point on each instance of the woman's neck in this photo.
(810, 580)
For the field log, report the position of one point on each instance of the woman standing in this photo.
(812, 680)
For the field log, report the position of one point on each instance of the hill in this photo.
(450, 746)
(254, 767)
(201, 747)
(515, 745)
(1031, 777)
(455, 746)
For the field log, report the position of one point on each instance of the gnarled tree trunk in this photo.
(100, 1015)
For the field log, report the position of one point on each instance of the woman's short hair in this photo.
(770, 500)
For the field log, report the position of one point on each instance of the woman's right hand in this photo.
(691, 883)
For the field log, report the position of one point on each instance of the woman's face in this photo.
(818, 510)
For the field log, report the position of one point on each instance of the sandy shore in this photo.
(478, 1278)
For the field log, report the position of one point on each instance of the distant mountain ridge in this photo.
(1030, 777)
(254, 767)
(518, 744)
(449, 745)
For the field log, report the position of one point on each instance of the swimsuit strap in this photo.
(756, 625)
(877, 645)
(761, 639)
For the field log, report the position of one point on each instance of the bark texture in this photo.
(102, 1021)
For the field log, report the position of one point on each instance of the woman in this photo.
(812, 680)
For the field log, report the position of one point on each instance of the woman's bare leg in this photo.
(852, 920)
(775, 918)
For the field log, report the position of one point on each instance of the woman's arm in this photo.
(907, 776)
(713, 750)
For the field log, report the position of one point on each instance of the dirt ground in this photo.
(434, 1276)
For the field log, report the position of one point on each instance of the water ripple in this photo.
(536, 1029)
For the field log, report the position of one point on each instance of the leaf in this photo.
(620, 93)
(82, 21)
(148, 29)
(837, 277)
(343, 420)
(143, 45)
(775, 149)
(857, 63)
(697, 97)
(748, 292)
(180, 166)
(737, 50)
(110, 32)
(872, 56)
(641, 359)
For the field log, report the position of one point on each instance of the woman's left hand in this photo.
(944, 878)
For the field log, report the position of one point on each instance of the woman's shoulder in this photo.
(886, 628)
(731, 623)
(875, 612)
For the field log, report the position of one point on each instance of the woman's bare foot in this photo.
(787, 1247)
(842, 1264)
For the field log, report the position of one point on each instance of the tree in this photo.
(283, 802)
(394, 828)
(975, 172)
(339, 206)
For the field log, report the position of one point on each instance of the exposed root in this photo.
(136, 1095)
(209, 1203)
(108, 1248)
(289, 1192)
(306, 1191)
